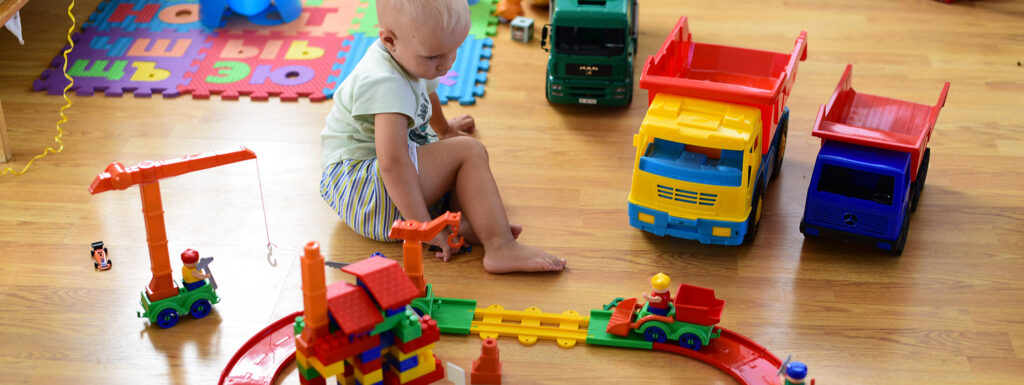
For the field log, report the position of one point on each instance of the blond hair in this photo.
(445, 15)
(660, 281)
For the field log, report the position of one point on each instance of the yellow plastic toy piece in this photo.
(426, 365)
(327, 371)
(368, 378)
(530, 325)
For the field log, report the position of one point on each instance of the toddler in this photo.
(389, 153)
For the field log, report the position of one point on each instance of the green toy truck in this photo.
(593, 43)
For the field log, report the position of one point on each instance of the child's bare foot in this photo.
(519, 257)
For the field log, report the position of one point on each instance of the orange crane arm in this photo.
(117, 177)
(423, 232)
(147, 175)
(414, 233)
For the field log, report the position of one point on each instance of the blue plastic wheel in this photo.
(654, 334)
(690, 341)
(167, 318)
(200, 308)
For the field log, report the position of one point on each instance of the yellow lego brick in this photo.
(397, 353)
(368, 378)
(350, 380)
(327, 371)
(426, 364)
(301, 359)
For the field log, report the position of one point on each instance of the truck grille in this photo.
(691, 197)
(588, 92)
(840, 218)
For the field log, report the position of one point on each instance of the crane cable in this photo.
(63, 118)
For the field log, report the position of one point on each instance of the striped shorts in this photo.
(355, 190)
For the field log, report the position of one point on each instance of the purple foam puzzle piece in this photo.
(107, 61)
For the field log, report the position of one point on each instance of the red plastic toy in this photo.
(487, 368)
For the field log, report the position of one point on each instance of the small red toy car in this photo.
(99, 255)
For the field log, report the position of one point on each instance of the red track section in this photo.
(745, 360)
(263, 356)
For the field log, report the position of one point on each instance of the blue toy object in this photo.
(471, 63)
(213, 13)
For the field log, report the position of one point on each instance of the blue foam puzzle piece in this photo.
(357, 47)
(472, 60)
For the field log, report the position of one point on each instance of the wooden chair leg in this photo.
(5, 146)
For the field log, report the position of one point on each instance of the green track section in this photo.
(453, 315)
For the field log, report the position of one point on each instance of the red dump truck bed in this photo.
(755, 78)
(877, 121)
(698, 305)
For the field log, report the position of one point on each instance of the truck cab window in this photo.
(693, 163)
(858, 184)
(589, 41)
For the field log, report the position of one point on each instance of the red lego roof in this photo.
(352, 309)
(386, 281)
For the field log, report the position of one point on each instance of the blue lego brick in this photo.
(407, 364)
(352, 51)
(370, 354)
(468, 72)
(386, 340)
(131, 15)
(375, 383)
(391, 312)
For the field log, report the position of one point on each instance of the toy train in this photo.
(691, 319)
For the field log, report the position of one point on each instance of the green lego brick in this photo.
(453, 315)
(408, 331)
(309, 373)
(596, 334)
(300, 323)
(396, 320)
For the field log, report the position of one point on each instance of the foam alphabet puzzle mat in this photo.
(146, 47)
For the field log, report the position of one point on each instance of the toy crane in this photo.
(157, 300)
(414, 233)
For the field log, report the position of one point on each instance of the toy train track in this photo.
(530, 324)
(745, 360)
(262, 358)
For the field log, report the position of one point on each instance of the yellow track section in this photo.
(530, 324)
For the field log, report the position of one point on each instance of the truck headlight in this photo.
(557, 94)
(556, 86)
(620, 89)
(721, 231)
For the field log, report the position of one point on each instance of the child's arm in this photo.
(458, 126)
(399, 174)
(396, 167)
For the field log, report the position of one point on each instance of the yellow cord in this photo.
(63, 118)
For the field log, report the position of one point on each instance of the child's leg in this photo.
(462, 163)
(466, 228)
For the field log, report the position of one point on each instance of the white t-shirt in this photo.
(376, 85)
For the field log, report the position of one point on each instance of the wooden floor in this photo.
(950, 310)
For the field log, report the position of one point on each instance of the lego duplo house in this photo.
(364, 333)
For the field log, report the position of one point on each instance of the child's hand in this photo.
(459, 126)
(441, 241)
